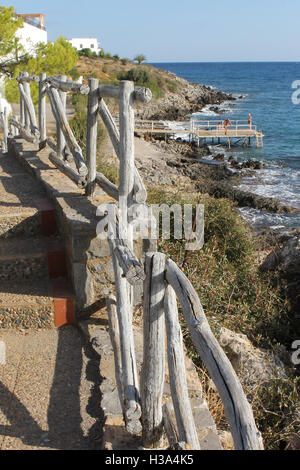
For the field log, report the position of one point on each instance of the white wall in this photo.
(30, 36)
(85, 43)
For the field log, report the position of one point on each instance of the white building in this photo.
(86, 43)
(33, 31)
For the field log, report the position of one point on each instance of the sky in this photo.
(178, 31)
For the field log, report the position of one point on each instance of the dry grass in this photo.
(237, 296)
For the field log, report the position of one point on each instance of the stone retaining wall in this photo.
(89, 263)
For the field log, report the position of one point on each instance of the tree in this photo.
(57, 58)
(140, 58)
(11, 51)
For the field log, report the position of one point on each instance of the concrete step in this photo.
(38, 304)
(34, 258)
(25, 210)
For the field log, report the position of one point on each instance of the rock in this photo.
(286, 259)
(189, 98)
(223, 189)
(293, 441)
(219, 157)
(253, 365)
(253, 165)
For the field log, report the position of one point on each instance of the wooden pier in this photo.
(202, 131)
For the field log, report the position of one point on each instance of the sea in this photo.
(271, 93)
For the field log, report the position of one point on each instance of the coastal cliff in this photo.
(173, 97)
(189, 98)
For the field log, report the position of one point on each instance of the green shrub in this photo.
(142, 77)
(86, 52)
(235, 295)
(108, 169)
(74, 72)
(171, 85)
(224, 273)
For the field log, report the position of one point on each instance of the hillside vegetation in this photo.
(111, 70)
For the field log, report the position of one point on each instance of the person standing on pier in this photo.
(250, 121)
(227, 123)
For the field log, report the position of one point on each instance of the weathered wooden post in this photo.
(238, 410)
(131, 404)
(42, 110)
(183, 411)
(26, 87)
(5, 128)
(123, 288)
(22, 112)
(91, 139)
(22, 108)
(153, 370)
(114, 333)
(61, 142)
(61, 119)
(126, 185)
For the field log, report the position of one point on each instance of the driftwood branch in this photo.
(26, 88)
(42, 111)
(61, 141)
(132, 268)
(60, 116)
(139, 190)
(126, 173)
(79, 180)
(78, 88)
(91, 139)
(153, 370)
(4, 128)
(184, 416)
(131, 405)
(52, 144)
(238, 410)
(30, 112)
(107, 186)
(110, 125)
(114, 332)
(28, 78)
(26, 135)
(171, 428)
(22, 112)
(141, 94)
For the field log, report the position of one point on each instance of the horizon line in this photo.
(226, 62)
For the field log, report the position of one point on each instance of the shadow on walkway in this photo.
(73, 418)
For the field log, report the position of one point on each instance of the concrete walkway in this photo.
(49, 391)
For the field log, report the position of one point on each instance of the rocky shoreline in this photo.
(213, 176)
(189, 98)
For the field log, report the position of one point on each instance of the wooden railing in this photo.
(4, 127)
(164, 282)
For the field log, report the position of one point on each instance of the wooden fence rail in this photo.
(164, 282)
(4, 127)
